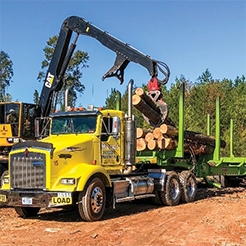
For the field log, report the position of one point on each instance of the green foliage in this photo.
(73, 73)
(35, 97)
(6, 74)
(111, 101)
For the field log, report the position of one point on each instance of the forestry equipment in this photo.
(16, 125)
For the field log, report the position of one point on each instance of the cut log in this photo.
(141, 132)
(168, 130)
(141, 144)
(170, 144)
(166, 143)
(152, 144)
(157, 133)
(197, 148)
(140, 92)
(143, 99)
(161, 142)
(202, 139)
(149, 136)
(146, 110)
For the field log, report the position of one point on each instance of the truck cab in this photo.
(93, 137)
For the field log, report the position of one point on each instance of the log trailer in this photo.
(89, 159)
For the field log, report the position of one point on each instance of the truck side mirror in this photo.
(36, 127)
(116, 126)
(42, 126)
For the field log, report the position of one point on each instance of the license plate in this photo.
(27, 200)
(3, 198)
(63, 194)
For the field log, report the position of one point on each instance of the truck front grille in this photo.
(27, 172)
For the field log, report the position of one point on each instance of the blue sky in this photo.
(189, 36)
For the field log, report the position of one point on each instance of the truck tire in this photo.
(188, 186)
(172, 191)
(157, 199)
(92, 201)
(26, 212)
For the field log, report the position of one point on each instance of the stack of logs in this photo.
(164, 134)
(165, 137)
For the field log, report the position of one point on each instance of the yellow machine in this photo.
(16, 125)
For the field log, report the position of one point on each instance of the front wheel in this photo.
(172, 192)
(26, 212)
(92, 201)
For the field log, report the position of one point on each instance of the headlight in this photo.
(5, 178)
(67, 181)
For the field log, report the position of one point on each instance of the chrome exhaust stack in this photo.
(130, 134)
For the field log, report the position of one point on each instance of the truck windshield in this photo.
(73, 124)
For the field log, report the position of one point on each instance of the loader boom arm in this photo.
(64, 50)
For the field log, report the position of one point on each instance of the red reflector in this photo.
(26, 152)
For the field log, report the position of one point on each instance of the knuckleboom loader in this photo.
(89, 158)
(16, 124)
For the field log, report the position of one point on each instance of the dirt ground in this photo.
(217, 217)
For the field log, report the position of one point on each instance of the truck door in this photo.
(111, 149)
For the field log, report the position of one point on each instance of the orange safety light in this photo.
(94, 162)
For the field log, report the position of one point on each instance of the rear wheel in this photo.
(25, 212)
(92, 201)
(188, 186)
(172, 192)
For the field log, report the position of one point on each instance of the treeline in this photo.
(200, 101)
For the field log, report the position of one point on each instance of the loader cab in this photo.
(16, 124)
(20, 116)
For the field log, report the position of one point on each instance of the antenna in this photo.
(92, 92)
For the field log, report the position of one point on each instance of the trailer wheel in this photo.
(172, 192)
(188, 186)
(92, 201)
(26, 212)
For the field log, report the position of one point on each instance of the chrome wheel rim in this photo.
(97, 200)
(174, 189)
